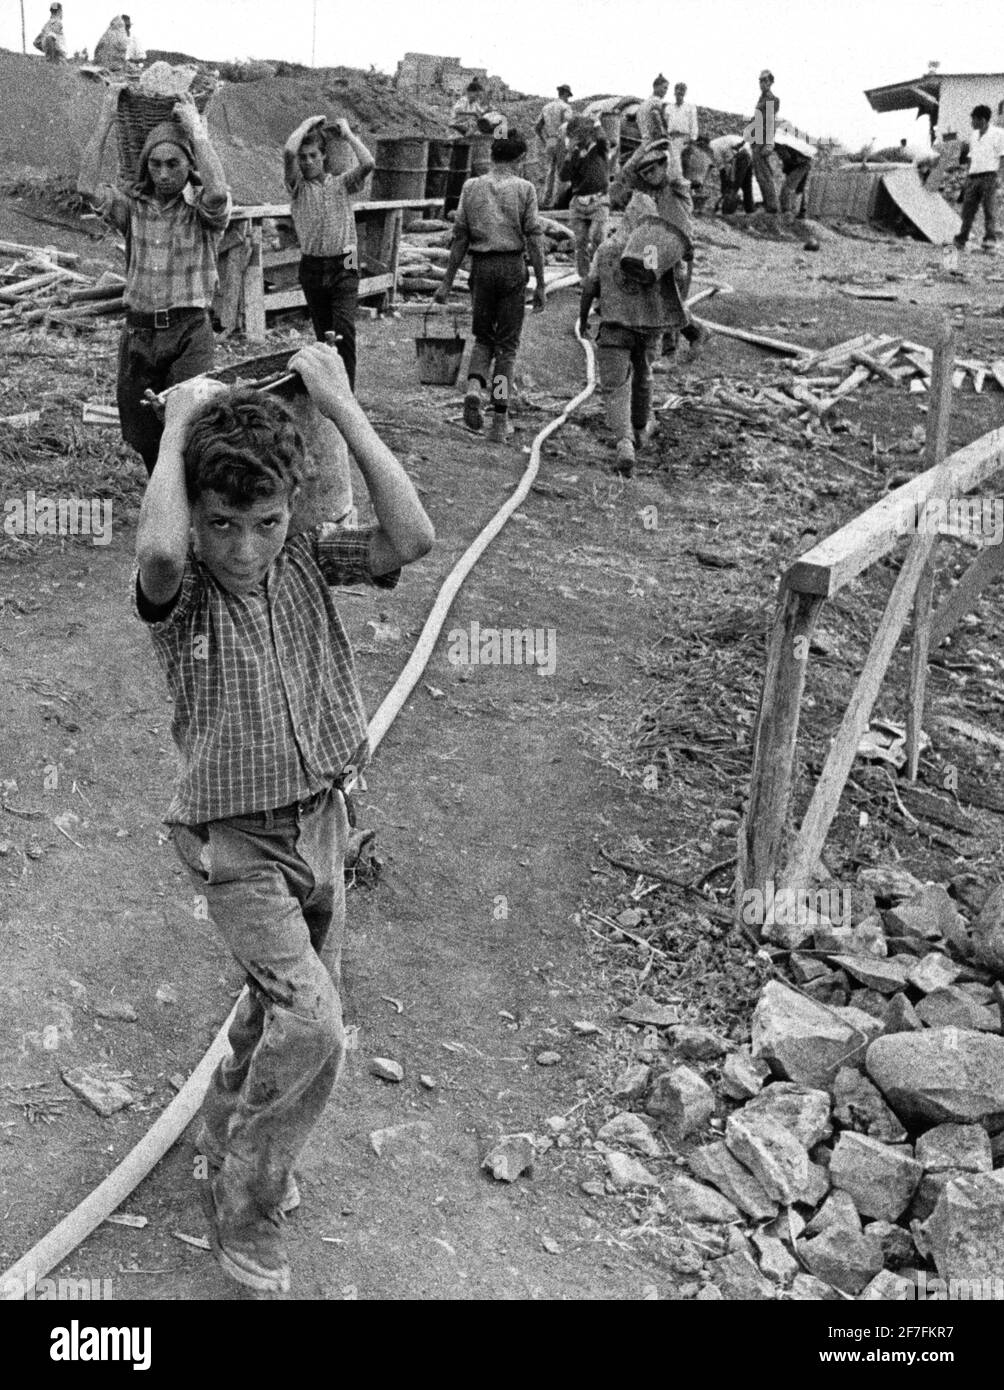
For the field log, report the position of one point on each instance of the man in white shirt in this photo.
(680, 117)
(986, 150)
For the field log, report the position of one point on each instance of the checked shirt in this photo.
(172, 246)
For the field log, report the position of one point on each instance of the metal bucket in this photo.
(439, 357)
(401, 167)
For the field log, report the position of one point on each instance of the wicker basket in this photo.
(136, 115)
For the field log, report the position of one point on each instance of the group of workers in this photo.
(117, 47)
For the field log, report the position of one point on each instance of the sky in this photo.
(822, 55)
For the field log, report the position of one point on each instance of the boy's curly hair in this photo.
(246, 447)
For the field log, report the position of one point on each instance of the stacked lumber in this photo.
(40, 286)
(424, 253)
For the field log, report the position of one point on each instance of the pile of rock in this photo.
(870, 1116)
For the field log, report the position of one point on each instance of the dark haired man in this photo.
(986, 150)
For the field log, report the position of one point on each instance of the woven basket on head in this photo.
(136, 115)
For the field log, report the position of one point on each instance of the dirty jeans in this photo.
(274, 887)
(554, 153)
(498, 285)
(763, 168)
(588, 220)
(330, 286)
(624, 357)
(155, 358)
(978, 190)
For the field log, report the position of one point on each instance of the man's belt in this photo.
(163, 318)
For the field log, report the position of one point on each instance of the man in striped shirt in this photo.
(173, 218)
(270, 727)
(321, 205)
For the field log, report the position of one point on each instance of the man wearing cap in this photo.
(548, 127)
(761, 135)
(651, 116)
(172, 217)
(680, 117)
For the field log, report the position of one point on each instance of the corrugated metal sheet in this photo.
(843, 194)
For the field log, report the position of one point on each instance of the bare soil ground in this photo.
(491, 931)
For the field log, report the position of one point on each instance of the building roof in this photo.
(918, 93)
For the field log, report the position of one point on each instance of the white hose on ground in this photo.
(78, 1224)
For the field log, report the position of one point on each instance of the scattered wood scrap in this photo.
(38, 286)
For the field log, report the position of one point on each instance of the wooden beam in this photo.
(255, 212)
(254, 290)
(829, 566)
(757, 339)
(774, 739)
(987, 567)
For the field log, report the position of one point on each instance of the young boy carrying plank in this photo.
(321, 205)
(498, 222)
(632, 274)
(269, 724)
(172, 218)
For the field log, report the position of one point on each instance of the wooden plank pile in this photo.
(425, 251)
(39, 286)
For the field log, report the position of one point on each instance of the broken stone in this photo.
(965, 1147)
(788, 1226)
(837, 1211)
(941, 1074)
(737, 1277)
(682, 1255)
(802, 1041)
(970, 890)
(806, 1288)
(116, 1011)
(714, 1163)
(833, 939)
(842, 1258)
(700, 1044)
(632, 1082)
(404, 1142)
(933, 971)
(887, 1287)
(692, 1201)
(952, 1007)
(584, 1028)
(709, 1294)
(890, 883)
(930, 914)
(817, 1186)
(884, 975)
(627, 1128)
(647, 1011)
(387, 1069)
(896, 1241)
(928, 1194)
(512, 1155)
(98, 1087)
(682, 1100)
(789, 930)
(901, 1016)
(858, 1105)
(831, 989)
(988, 933)
(880, 1179)
(166, 994)
(548, 1058)
(593, 1188)
(861, 1022)
(743, 1075)
(802, 1111)
(626, 1171)
(871, 1002)
(805, 968)
(631, 917)
(771, 1153)
(428, 1083)
(966, 1230)
(775, 1260)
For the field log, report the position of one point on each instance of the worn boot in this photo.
(473, 414)
(288, 1202)
(245, 1241)
(500, 429)
(624, 457)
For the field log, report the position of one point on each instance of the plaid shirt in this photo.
(322, 212)
(266, 706)
(171, 247)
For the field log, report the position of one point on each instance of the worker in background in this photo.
(986, 150)
(113, 46)
(734, 162)
(134, 53)
(680, 117)
(549, 127)
(761, 136)
(650, 115)
(466, 110)
(51, 41)
(795, 156)
(587, 170)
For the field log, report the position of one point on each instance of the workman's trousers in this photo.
(589, 213)
(273, 884)
(763, 168)
(154, 359)
(554, 154)
(624, 358)
(498, 290)
(792, 191)
(979, 190)
(330, 286)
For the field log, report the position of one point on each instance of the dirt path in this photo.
(490, 798)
